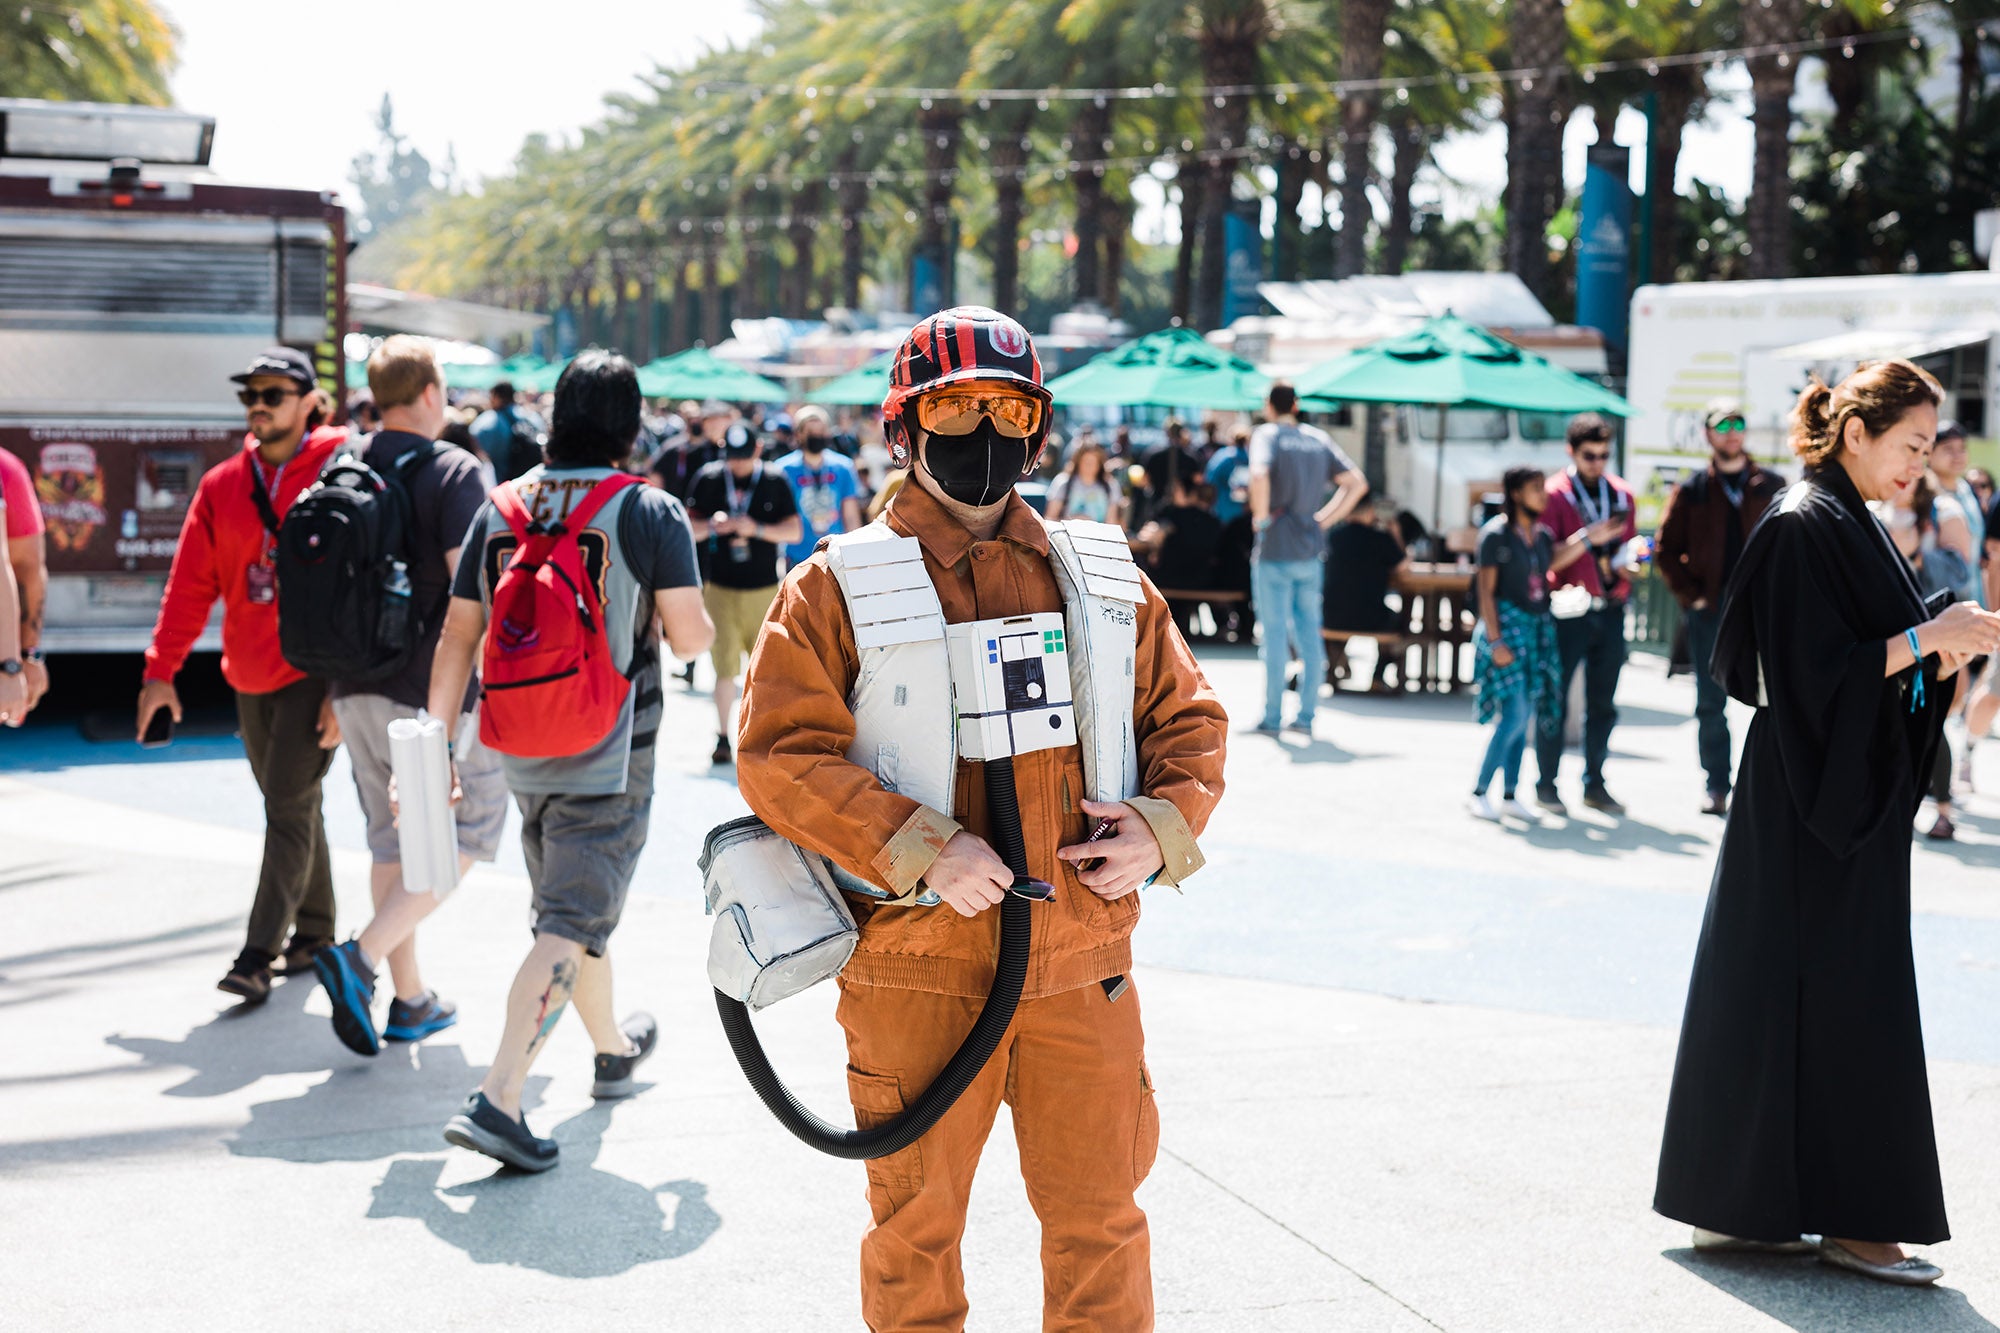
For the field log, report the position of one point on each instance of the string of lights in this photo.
(1464, 80)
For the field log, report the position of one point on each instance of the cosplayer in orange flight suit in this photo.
(1071, 1065)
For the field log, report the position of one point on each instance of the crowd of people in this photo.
(517, 575)
(580, 535)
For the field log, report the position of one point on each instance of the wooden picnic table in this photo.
(1437, 598)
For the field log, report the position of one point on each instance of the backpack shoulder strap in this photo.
(600, 495)
(507, 504)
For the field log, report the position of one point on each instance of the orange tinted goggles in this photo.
(957, 411)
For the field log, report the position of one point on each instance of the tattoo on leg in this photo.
(562, 980)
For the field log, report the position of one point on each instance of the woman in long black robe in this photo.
(1800, 1101)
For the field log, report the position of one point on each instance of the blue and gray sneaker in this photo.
(350, 984)
(413, 1020)
(485, 1128)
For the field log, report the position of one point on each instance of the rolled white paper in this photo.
(425, 828)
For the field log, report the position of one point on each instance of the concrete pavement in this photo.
(1412, 1070)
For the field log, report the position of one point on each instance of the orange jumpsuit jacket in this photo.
(792, 766)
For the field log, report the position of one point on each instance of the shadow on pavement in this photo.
(367, 1109)
(174, 936)
(1613, 837)
(1806, 1295)
(573, 1221)
(1968, 853)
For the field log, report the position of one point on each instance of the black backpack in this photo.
(344, 597)
(524, 447)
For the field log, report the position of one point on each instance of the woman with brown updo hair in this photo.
(1800, 1104)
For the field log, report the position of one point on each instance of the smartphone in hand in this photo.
(159, 730)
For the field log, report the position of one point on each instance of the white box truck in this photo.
(1760, 341)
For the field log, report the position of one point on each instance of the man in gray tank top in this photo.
(583, 816)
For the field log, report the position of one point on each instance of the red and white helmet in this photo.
(967, 342)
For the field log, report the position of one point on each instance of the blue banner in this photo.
(1243, 248)
(1604, 244)
(565, 333)
(926, 282)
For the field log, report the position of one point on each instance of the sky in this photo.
(294, 88)
(295, 98)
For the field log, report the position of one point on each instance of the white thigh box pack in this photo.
(781, 926)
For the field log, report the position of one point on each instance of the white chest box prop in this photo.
(1010, 686)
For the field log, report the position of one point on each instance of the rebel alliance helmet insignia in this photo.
(967, 342)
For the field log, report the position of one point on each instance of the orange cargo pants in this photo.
(1072, 1067)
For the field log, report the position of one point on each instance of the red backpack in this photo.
(550, 687)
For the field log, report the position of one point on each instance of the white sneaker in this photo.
(1481, 807)
(1512, 807)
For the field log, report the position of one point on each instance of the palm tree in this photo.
(1538, 32)
(1363, 23)
(103, 51)
(1769, 220)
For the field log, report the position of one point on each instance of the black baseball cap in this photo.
(289, 362)
(1950, 430)
(739, 442)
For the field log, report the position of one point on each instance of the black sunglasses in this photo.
(1593, 455)
(268, 397)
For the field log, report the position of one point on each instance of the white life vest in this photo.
(905, 725)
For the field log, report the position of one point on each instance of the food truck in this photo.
(1760, 342)
(133, 284)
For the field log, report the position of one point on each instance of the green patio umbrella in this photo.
(1171, 368)
(864, 386)
(700, 373)
(542, 378)
(514, 370)
(1448, 363)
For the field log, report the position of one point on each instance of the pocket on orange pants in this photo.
(878, 1099)
(1146, 1143)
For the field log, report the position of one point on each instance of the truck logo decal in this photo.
(69, 482)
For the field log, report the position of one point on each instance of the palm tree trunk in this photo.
(1115, 208)
(1286, 234)
(1361, 28)
(1413, 146)
(1010, 158)
(804, 236)
(1193, 183)
(1537, 30)
(853, 199)
(680, 325)
(940, 127)
(1676, 87)
(1229, 51)
(1087, 140)
(711, 291)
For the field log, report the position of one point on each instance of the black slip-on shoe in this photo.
(614, 1072)
(485, 1128)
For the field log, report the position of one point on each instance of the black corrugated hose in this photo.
(1016, 912)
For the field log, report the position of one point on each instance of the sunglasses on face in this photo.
(1593, 455)
(268, 397)
(1727, 426)
(957, 412)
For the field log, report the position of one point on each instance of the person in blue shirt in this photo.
(823, 481)
(509, 435)
(1229, 474)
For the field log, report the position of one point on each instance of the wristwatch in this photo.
(11, 667)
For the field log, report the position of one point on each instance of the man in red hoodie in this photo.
(226, 550)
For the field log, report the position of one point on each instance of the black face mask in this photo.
(977, 468)
(813, 445)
